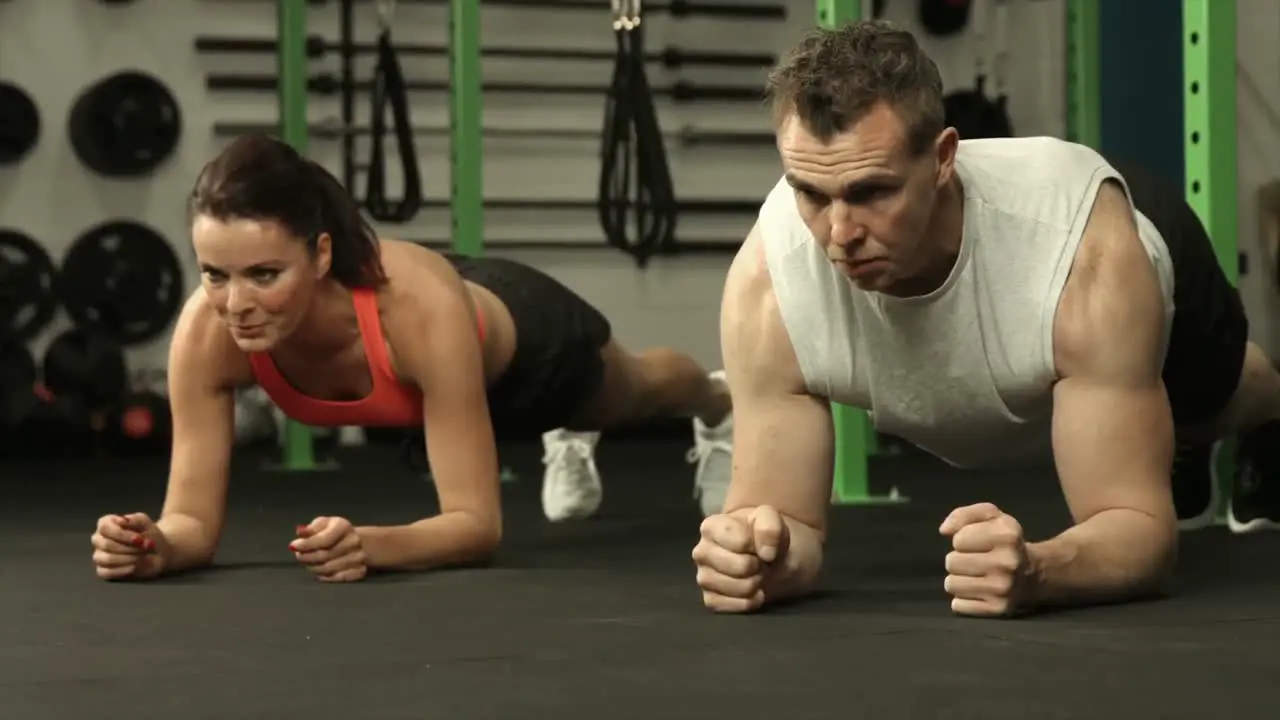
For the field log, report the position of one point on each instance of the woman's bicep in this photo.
(461, 447)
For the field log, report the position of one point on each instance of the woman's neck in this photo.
(329, 327)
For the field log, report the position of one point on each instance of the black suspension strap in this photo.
(633, 152)
(389, 87)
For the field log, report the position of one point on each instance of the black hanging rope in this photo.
(635, 182)
(389, 87)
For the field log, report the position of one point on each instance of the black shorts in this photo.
(1210, 329)
(557, 367)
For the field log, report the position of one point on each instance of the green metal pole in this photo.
(1084, 73)
(854, 434)
(1209, 97)
(467, 141)
(299, 451)
(466, 130)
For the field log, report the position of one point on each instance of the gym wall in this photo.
(55, 49)
(1258, 140)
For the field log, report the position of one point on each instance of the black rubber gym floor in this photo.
(597, 619)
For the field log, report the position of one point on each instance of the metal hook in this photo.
(386, 10)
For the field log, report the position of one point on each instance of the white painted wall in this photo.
(1258, 101)
(56, 48)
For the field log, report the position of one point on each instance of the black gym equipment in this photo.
(86, 365)
(18, 376)
(27, 286)
(389, 88)
(672, 57)
(19, 123)
(331, 128)
(329, 84)
(125, 124)
(123, 279)
(633, 151)
(944, 18)
(682, 207)
(982, 111)
(676, 8)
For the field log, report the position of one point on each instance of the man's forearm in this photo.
(1113, 556)
(453, 538)
(797, 572)
(187, 543)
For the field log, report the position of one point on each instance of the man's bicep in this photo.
(1113, 428)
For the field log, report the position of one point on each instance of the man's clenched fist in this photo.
(988, 570)
(734, 554)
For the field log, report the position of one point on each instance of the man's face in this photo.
(865, 197)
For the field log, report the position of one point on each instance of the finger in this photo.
(728, 532)
(341, 564)
(767, 529)
(978, 588)
(723, 604)
(314, 558)
(738, 565)
(988, 607)
(112, 560)
(967, 515)
(115, 547)
(967, 564)
(349, 575)
(125, 536)
(114, 573)
(980, 538)
(139, 522)
(327, 535)
(717, 582)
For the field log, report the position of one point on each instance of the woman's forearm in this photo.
(186, 542)
(454, 538)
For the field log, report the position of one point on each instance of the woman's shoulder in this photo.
(201, 337)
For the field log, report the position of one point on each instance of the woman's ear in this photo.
(323, 255)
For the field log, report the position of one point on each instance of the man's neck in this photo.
(943, 239)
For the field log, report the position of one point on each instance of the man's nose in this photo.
(846, 230)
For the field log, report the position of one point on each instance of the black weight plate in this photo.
(19, 123)
(27, 277)
(125, 124)
(17, 382)
(123, 279)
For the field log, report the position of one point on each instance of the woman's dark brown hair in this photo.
(259, 178)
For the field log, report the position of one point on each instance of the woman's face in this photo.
(258, 277)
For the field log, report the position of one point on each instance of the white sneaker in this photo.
(712, 451)
(570, 484)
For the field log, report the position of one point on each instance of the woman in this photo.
(338, 327)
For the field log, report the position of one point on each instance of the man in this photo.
(987, 300)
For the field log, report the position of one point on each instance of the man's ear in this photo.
(945, 148)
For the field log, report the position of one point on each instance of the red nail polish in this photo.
(300, 529)
(139, 541)
(149, 545)
(292, 548)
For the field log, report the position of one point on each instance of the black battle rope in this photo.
(389, 87)
(633, 150)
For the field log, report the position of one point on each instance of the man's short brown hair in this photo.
(831, 79)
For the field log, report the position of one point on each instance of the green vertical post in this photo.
(299, 451)
(1084, 74)
(854, 434)
(1209, 97)
(466, 137)
(466, 130)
